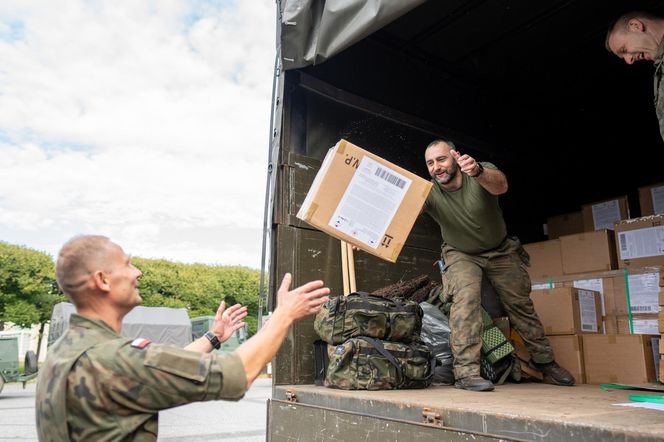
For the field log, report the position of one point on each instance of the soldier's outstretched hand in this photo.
(302, 301)
(228, 320)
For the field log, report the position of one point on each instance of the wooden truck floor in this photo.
(527, 411)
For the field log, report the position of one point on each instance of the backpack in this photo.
(363, 314)
(365, 363)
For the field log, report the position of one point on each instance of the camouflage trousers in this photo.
(462, 283)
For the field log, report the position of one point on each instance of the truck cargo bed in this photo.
(527, 411)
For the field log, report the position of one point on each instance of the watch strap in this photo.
(213, 340)
(479, 171)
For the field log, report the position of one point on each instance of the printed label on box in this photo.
(644, 293)
(657, 194)
(641, 243)
(646, 326)
(592, 284)
(371, 199)
(605, 214)
(546, 285)
(587, 311)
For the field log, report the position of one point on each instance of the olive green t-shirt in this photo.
(470, 218)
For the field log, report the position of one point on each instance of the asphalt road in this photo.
(242, 421)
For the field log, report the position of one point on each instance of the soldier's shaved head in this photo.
(78, 259)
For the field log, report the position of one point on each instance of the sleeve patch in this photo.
(140, 343)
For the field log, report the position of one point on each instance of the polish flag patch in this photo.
(140, 343)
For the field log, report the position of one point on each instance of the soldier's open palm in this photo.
(301, 301)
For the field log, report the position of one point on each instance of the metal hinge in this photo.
(291, 396)
(431, 417)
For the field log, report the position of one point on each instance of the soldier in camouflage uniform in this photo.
(98, 385)
(639, 35)
(464, 202)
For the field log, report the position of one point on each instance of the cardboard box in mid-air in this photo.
(364, 200)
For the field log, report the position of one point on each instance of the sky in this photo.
(145, 121)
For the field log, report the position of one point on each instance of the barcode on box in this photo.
(392, 179)
(642, 308)
(623, 242)
(589, 327)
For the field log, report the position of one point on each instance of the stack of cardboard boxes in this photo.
(597, 287)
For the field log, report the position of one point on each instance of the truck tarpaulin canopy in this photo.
(158, 324)
(314, 30)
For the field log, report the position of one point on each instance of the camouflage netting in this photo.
(418, 289)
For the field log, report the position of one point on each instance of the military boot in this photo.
(474, 383)
(554, 373)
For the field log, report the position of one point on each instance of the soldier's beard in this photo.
(449, 175)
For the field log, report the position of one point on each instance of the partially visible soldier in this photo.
(98, 385)
(639, 35)
(464, 203)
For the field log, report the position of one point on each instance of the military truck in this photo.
(527, 85)
(9, 365)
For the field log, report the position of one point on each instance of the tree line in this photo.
(28, 290)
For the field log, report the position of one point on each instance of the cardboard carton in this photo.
(640, 241)
(618, 359)
(545, 259)
(603, 214)
(642, 283)
(364, 200)
(651, 199)
(588, 252)
(566, 224)
(568, 351)
(568, 310)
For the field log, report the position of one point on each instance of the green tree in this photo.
(199, 288)
(28, 289)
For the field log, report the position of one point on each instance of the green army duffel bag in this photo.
(364, 363)
(363, 314)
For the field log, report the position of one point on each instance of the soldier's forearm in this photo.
(263, 346)
(201, 345)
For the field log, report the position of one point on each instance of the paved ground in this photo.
(242, 421)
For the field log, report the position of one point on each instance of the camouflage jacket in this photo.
(659, 87)
(98, 385)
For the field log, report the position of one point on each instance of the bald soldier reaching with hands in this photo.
(98, 385)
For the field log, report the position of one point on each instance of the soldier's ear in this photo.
(101, 281)
(636, 25)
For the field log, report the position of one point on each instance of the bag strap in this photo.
(337, 306)
(375, 343)
(378, 345)
(500, 345)
(432, 363)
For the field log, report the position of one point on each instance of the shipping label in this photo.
(645, 326)
(644, 292)
(369, 203)
(592, 284)
(587, 311)
(657, 194)
(605, 214)
(641, 243)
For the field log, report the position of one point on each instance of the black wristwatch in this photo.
(213, 340)
(479, 172)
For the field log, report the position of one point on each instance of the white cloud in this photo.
(143, 120)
